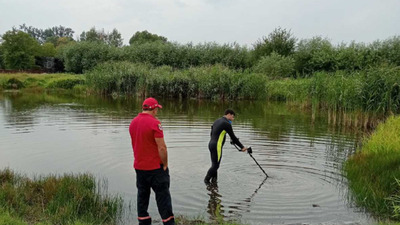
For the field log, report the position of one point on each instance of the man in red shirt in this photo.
(151, 163)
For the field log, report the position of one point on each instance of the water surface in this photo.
(42, 134)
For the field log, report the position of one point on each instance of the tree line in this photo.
(279, 54)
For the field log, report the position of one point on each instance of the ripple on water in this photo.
(305, 183)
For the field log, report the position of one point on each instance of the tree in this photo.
(83, 56)
(275, 66)
(1, 57)
(316, 54)
(93, 35)
(280, 41)
(145, 36)
(113, 39)
(32, 31)
(19, 50)
(57, 41)
(49, 34)
(47, 50)
(63, 41)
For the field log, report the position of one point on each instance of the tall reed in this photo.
(212, 82)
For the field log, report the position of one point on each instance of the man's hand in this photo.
(162, 152)
(244, 149)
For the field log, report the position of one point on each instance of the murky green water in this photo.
(42, 134)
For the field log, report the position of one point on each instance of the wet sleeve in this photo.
(158, 130)
(234, 139)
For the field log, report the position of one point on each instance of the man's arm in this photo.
(162, 151)
(234, 139)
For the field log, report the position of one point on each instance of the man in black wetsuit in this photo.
(218, 131)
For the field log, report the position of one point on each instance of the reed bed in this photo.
(211, 82)
(373, 90)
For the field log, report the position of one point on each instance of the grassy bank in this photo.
(374, 172)
(67, 199)
(40, 82)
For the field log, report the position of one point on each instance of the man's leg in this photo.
(213, 171)
(143, 197)
(160, 185)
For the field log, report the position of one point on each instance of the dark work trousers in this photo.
(158, 180)
(213, 171)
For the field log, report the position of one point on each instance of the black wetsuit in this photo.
(218, 132)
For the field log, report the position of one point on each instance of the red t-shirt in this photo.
(143, 130)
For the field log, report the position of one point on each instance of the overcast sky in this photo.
(222, 21)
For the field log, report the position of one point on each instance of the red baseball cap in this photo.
(151, 103)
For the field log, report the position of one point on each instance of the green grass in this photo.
(67, 199)
(374, 90)
(6, 218)
(40, 81)
(373, 170)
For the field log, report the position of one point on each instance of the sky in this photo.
(221, 21)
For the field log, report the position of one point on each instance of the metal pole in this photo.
(258, 164)
(250, 151)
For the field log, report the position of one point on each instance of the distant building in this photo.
(50, 64)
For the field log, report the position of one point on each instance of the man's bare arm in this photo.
(162, 151)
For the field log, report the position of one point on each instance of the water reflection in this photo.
(214, 207)
(255, 192)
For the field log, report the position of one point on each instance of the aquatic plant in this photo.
(373, 170)
(212, 82)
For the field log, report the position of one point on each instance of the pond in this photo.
(44, 134)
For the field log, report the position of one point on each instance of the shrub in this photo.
(249, 86)
(391, 50)
(179, 56)
(214, 81)
(2, 65)
(65, 83)
(14, 83)
(279, 40)
(275, 66)
(145, 36)
(120, 77)
(312, 55)
(350, 57)
(83, 56)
